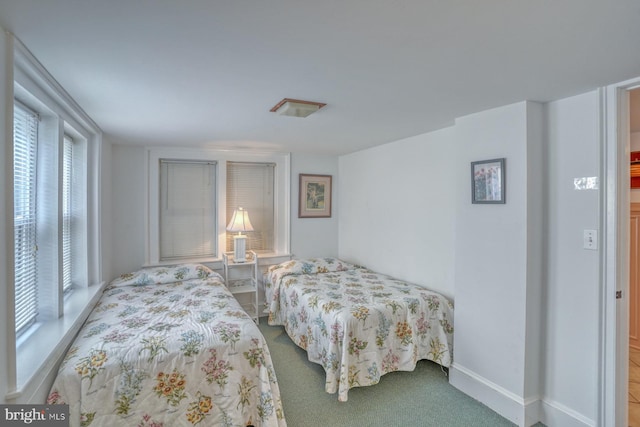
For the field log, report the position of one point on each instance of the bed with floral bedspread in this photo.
(169, 346)
(358, 324)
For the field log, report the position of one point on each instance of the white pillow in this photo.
(168, 274)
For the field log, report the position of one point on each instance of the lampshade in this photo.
(296, 107)
(240, 221)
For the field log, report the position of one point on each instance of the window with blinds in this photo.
(187, 209)
(56, 206)
(251, 187)
(67, 159)
(25, 143)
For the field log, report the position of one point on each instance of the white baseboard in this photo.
(556, 414)
(504, 402)
(520, 411)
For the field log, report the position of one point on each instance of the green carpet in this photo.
(423, 397)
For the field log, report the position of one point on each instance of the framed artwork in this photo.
(314, 196)
(634, 169)
(488, 184)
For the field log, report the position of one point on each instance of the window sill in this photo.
(181, 261)
(40, 352)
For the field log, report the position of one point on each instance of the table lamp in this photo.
(239, 222)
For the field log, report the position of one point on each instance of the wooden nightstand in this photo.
(242, 280)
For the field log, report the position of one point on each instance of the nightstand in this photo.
(242, 280)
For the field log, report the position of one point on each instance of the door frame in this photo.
(614, 256)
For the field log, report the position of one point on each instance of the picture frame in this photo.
(314, 196)
(488, 183)
(634, 169)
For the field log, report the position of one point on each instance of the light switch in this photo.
(590, 238)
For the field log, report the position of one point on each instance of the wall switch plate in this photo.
(590, 239)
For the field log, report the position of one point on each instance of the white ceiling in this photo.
(207, 72)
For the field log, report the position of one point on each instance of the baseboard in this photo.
(520, 411)
(501, 400)
(556, 414)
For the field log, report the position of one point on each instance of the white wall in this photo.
(526, 292)
(314, 237)
(492, 253)
(572, 293)
(127, 208)
(106, 224)
(309, 236)
(397, 209)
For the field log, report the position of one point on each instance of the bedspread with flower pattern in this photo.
(169, 347)
(358, 324)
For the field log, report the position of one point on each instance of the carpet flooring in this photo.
(423, 397)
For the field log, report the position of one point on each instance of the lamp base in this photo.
(239, 248)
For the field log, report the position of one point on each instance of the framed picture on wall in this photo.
(634, 169)
(314, 196)
(488, 184)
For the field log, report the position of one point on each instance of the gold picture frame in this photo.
(314, 196)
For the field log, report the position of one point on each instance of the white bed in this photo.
(358, 324)
(169, 347)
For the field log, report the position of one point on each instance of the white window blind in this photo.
(67, 159)
(187, 209)
(25, 138)
(251, 186)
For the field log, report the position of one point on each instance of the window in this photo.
(54, 213)
(250, 186)
(192, 195)
(25, 137)
(187, 209)
(43, 253)
(67, 235)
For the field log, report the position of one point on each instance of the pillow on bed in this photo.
(169, 274)
(311, 266)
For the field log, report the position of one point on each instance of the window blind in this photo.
(25, 138)
(251, 186)
(67, 158)
(187, 209)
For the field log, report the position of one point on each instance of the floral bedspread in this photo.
(358, 324)
(169, 347)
